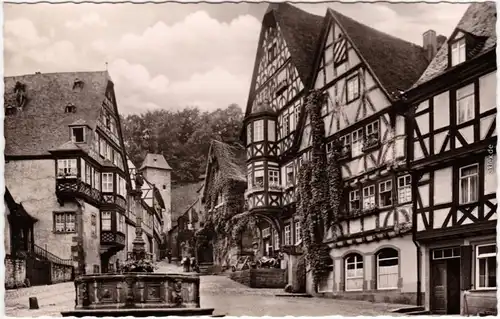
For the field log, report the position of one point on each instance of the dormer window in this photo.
(458, 51)
(70, 108)
(78, 134)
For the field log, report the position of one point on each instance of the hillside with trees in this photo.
(183, 137)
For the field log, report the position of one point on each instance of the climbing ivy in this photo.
(319, 193)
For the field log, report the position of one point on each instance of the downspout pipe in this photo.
(419, 272)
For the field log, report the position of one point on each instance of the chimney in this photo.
(430, 44)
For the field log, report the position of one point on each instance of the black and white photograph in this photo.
(225, 159)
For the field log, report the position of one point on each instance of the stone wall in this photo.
(60, 273)
(91, 242)
(33, 183)
(15, 272)
(480, 302)
(260, 278)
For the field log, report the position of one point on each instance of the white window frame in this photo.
(288, 171)
(369, 200)
(354, 196)
(466, 110)
(357, 142)
(288, 235)
(458, 52)
(373, 128)
(107, 182)
(97, 180)
(274, 178)
(73, 136)
(298, 232)
(477, 268)
(105, 221)
(379, 274)
(249, 133)
(355, 277)
(64, 222)
(271, 131)
(258, 131)
(67, 168)
(276, 239)
(329, 147)
(352, 87)
(287, 125)
(387, 188)
(473, 194)
(404, 188)
(257, 174)
(120, 223)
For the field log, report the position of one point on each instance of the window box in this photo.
(371, 142)
(345, 152)
(275, 187)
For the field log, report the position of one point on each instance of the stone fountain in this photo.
(138, 291)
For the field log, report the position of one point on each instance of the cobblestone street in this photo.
(219, 292)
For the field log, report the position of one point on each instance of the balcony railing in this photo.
(111, 198)
(112, 238)
(76, 187)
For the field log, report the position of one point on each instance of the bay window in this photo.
(298, 232)
(288, 235)
(274, 181)
(354, 274)
(258, 178)
(107, 182)
(120, 223)
(105, 221)
(387, 269)
(258, 133)
(486, 266)
(469, 184)
(67, 168)
(369, 197)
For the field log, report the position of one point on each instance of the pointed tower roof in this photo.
(155, 161)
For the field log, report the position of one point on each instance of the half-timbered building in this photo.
(283, 64)
(452, 154)
(371, 244)
(65, 161)
(222, 198)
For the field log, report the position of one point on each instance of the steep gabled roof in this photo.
(396, 63)
(300, 31)
(42, 124)
(479, 20)
(183, 197)
(231, 159)
(155, 161)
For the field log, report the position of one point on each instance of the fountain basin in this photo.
(138, 295)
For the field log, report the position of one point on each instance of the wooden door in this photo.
(439, 287)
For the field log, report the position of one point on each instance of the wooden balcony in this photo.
(114, 199)
(67, 188)
(371, 143)
(111, 238)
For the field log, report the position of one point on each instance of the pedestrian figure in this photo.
(169, 256)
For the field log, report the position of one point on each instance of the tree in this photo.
(183, 137)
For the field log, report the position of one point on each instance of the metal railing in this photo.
(45, 254)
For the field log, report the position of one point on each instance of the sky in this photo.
(175, 55)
